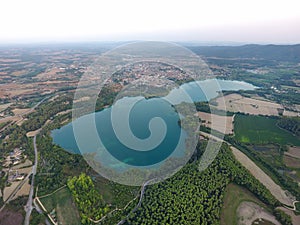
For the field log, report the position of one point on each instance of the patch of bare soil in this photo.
(248, 212)
(293, 152)
(291, 161)
(33, 133)
(9, 190)
(18, 111)
(63, 112)
(10, 218)
(238, 103)
(223, 124)
(24, 191)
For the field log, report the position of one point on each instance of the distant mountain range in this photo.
(289, 53)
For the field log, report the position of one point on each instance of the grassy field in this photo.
(115, 194)
(234, 196)
(270, 153)
(64, 206)
(261, 130)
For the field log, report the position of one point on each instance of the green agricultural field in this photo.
(64, 206)
(233, 197)
(261, 130)
(270, 153)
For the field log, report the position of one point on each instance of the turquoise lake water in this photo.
(139, 119)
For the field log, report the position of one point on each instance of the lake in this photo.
(140, 117)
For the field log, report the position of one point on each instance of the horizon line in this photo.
(192, 42)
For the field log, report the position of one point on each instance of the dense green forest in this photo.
(290, 124)
(282, 217)
(88, 200)
(16, 138)
(56, 165)
(193, 197)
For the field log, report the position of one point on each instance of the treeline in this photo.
(106, 96)
(282, 217)
(2, 125)
(203, 107)
(56, 165)
(88, 200)
(193, 197)
(291, 124)
(47, 110)
(284, 181)
(206, 107)
(16, 138)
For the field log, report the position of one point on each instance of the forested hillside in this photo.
(266, 52)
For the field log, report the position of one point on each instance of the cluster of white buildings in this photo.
(14, 175)
(142, 70)
(15, 157)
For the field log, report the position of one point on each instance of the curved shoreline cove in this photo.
(141, 125)
(139, 119)
(206, 90)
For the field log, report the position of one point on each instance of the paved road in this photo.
(33, 172)
(28, 207)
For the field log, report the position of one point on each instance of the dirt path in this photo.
(140, 200)
(259, 174)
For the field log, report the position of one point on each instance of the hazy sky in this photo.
(187, 20)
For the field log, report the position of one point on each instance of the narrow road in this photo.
(12, 195)
(28, 207)
(294, 208)
(140, 200)
(33, 171)
(40, 211)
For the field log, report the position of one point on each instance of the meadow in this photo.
(233, 197)
(64, 206)
(261, 130)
